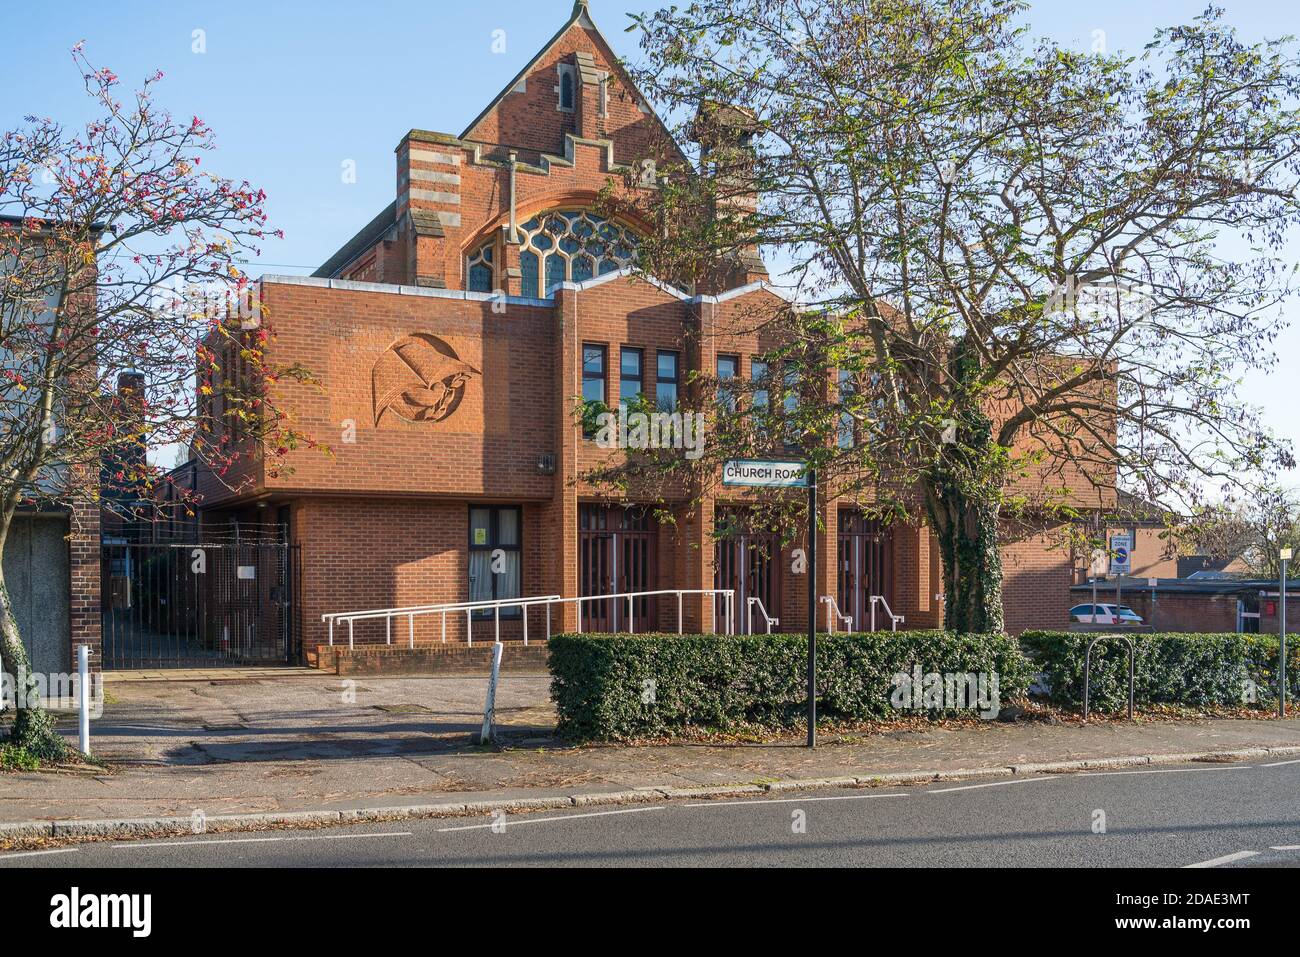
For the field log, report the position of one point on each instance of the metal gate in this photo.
(199, 605)
(616, 553)
(749, 563)
(866, 566)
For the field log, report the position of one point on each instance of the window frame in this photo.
(603, 378)
(494, 542)
(623, 377)
(565, 71)
(726, 397)
(675, 381)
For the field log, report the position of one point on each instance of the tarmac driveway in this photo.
(308, 716)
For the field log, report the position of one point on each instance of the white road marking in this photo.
(1225, 859)
(1285, 847)
(60, 850)
(544, 820)
(1278, 764)
(991, 784)
(759, 801)
(262, 840)
(1097, 774)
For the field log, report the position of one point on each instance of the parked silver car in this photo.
(1105, 615)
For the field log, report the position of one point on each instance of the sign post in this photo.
(812, 608)
(1285, 555)
(764, 473)
(1121, 563)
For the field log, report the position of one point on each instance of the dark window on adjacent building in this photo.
(495, 568)
(629, 375)
(728, 368)
(666, 381)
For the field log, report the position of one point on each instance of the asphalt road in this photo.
(1214, 815)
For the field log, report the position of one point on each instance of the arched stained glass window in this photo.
(480, 269)
(571, 245)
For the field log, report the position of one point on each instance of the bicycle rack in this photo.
(1087, 671)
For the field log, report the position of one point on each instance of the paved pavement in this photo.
(249, 743)
(1230, 815)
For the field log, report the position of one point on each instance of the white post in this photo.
(83, 698)
(351, 635)
(489, 707)
(679, 613)
(873, 613)
(548, 621)
(388, 629)
(469, 627)
(524, 610)
(331, 632)
(497, 618)
(579, 604)
(444, 627)
(410, 628)
(631, 625)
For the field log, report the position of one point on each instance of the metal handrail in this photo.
(833, 612)
(411, 612)
(894, 620)
(749, 618)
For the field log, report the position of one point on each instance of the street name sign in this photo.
(763, 473)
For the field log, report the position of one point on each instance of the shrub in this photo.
(15, 758)
(1194, 670)
(721, 682)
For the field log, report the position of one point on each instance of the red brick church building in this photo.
(450, 337)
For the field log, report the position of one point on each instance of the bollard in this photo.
(490, 706)
(83, 698)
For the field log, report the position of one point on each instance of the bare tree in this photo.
(119, 252)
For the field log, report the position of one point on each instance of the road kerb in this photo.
(125, 828)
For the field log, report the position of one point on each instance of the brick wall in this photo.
(84, 557)
(1036, 579)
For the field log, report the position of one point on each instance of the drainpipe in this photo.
(514, 223)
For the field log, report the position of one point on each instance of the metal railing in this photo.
(894, 620)
(834, 614)
(1087, 671)
(749, 618)
(411, 612)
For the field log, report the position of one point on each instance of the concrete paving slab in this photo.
(275, 744)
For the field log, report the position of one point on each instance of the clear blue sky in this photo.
(294, 90)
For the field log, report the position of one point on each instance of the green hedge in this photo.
(723, 682)
(1180, 669)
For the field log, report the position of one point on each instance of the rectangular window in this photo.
(847, 423)
(728, 368)
(758, 373)
(629, 376)
(666, 382)
(790, 405)
(494, 557)
(593, 385)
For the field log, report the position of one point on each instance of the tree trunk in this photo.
(967, 529)
(963, 498)
(33, 728)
